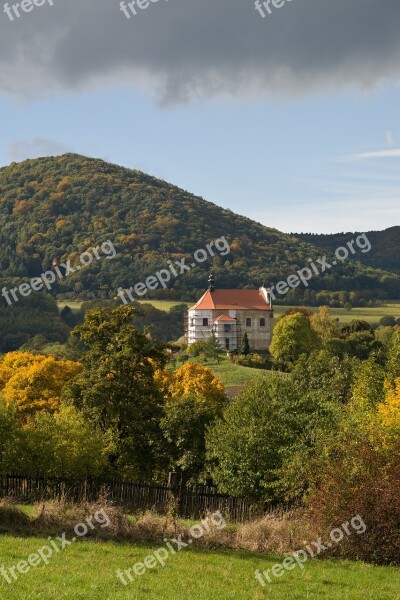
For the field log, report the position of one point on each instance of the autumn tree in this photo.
(34, 382)
(325, 324)
(191, 380)
(393, 365)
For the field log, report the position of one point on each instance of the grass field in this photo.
(86, 571)
(371, 315)
(230, 374)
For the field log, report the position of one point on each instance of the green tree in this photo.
(387, 321)
(244, 345)
(212, 348)
(362, 344)
(293, 336)
(184, 427)
(368, 387)
(64, 444)
(263, 444)
(325, 324)
(10, 437)
(116, 387)
(243, 448)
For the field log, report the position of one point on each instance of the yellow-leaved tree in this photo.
(389, 412)
(34, 382)
(191, 380)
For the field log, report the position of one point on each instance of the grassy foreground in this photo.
(86, 571)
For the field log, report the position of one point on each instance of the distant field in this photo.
(371, 315)
(160, 304)
(87, 570)
(164, 304)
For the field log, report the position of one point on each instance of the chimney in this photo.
(266, 294)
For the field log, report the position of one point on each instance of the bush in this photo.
(365, 482)
(255, 361)
(183, 357)
(387, 321)
(197, 348)
(276, 532)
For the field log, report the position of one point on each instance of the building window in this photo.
(227, 328)
(192, 322)
(248, 322)
(227, 343)
(205, 322)
(262, 322)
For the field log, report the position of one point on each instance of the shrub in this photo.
(255, 361)
(365, 482)
(362, 476)
(197, 348)
(387, 321)
(276, 532)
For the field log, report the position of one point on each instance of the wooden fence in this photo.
(190, 502)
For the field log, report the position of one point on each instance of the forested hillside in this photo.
(59, 207)
(385, 252)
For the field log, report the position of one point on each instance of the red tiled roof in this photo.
(225, 318)
(232, 300)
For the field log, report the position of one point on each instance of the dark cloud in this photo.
(183, 49)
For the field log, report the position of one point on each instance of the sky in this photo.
(291, 119)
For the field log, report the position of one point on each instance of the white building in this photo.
(230, 314)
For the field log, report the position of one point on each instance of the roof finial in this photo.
(211, 282)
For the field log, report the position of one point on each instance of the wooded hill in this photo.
(58, 207)
(385, 252)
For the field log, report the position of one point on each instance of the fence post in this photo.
(174, 496)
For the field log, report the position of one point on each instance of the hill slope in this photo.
(60, 207)
(385, 252)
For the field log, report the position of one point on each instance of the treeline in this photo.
(36, 323)
(60, 207)
(36, 317)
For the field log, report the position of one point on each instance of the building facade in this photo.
(229, 314)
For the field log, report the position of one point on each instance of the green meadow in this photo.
(86, 571)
